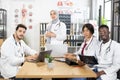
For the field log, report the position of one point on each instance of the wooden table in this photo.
(1, 41)
(60, 70)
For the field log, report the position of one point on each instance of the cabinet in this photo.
(115, 29)
(42, 37)
(73, 37)
(3, 25)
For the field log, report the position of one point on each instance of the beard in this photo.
(20, 37)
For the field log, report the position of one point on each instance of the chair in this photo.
(118, 74)
(58, 50)
(1, 78)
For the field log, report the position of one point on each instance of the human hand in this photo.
(35, 56)
(70, 56)
(50, 34)
(31, 58)
(100, 73)
(80, 63)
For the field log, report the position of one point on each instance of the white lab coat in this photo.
(90, 49)
(12, 56)
(109, 59)
(59, 29)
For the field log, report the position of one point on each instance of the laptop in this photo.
(57, 50)
(41, 56)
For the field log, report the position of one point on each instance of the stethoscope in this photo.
(107, 49)
(57, 26)
(16, 41)
(19, 47)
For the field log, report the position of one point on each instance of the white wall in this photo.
(41, 9)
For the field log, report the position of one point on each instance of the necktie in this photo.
(82, 52)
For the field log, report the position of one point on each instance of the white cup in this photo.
(46, 60)
(50, 65)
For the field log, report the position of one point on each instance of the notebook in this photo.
(57, 50)
(41, 56)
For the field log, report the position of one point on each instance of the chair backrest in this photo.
(0, 75)
(57, 50)
(118, 74)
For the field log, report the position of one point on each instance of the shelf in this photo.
(115, 29)
(116, 25)
(3, 25)
(116, 1)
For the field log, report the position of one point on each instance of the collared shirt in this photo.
(12, 56)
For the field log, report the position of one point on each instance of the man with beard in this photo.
(14, 52)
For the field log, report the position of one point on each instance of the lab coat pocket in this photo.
(8, 70)
(108, 58)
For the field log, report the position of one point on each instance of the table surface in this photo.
(60, 70)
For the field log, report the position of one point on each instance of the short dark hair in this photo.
(89, 27)
(103, 26)
(22, 26)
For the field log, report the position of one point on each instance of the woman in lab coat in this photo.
(90, 41)
(108, 56)
(56, 30)
(88, 47)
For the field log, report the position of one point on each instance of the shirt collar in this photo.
(88, 42)
(106, 42)
(15, 40)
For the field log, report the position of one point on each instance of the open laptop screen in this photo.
(41, 56)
